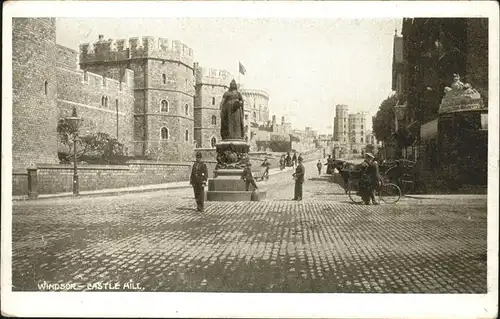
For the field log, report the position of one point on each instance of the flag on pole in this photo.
(242, 69)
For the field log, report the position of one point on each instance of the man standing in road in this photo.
(370, 179)
(248, 177)
(265, 165)
(319, 166)
(199, 176)
(294, 160)
(299, 179)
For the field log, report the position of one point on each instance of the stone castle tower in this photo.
(340, 127)
(164, 90)
(210, 86)
(34, 88)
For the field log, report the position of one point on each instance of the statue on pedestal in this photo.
(232, 152)
(232, 125)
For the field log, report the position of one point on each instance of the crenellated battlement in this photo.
(253, 92)
(100, 83)
(135, 47)
(210, 76)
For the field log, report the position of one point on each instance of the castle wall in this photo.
(34, 108)
(66, 58)
(211, 84)
(85, 92)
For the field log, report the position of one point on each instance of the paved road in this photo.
(157, 242)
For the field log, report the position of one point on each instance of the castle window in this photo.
(361, 140)
(213, 142)
(187, 135)
(246, 117)
(164, 133)
(164, 106)
(186, 109)
(214, 120)
(106, 101)
(187, 86)
(254, 115)
(103, 100)
(213, 100)
(164, 78)
(46, 87)
(361, 126)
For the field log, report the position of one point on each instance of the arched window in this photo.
(246, 117)
(103, 100)
(46, 87)
(213, 142)
(164, 133)
(214, 120)
(213, 100)
(361, 126)
(164, 78)
(106, 101)
(187, 135)
(186, 109)
(164, 106)
(361, 140)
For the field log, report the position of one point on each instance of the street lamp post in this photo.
(399, 115)
(74, 122)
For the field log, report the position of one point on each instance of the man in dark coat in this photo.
(199, 176)
(299, 180)
(266, 165)
(248, 177)
(370, 179)
(319, 166)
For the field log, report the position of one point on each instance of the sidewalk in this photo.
(126, 190)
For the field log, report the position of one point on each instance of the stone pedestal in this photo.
(227, 185)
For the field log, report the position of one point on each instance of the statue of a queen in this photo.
(232, 125)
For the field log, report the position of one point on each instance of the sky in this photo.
(306, 65)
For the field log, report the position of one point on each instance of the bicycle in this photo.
(389, 193)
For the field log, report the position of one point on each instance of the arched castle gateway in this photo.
(164, 90)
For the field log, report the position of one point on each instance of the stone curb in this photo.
(120, 191)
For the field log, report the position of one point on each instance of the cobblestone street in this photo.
(157, 241)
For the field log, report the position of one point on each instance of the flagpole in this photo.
(239, 74)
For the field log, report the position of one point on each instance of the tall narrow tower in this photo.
(340, 128)
(34, 88)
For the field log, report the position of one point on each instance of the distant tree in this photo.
(96, 148)
(384, 123)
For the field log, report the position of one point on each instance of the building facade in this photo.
(47, 85)
(434, 49)
(163, 92)
(211, 84)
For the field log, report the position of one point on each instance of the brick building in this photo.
(434, 49)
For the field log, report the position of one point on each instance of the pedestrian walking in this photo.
(248, 177)
(299, 180)
(294, 160)
(319, 166)
(282, 162)
(266, 165)
(198, 180)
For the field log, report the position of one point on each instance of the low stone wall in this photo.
(19, 183)
(58, 178)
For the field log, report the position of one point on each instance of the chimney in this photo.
(101, 37)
